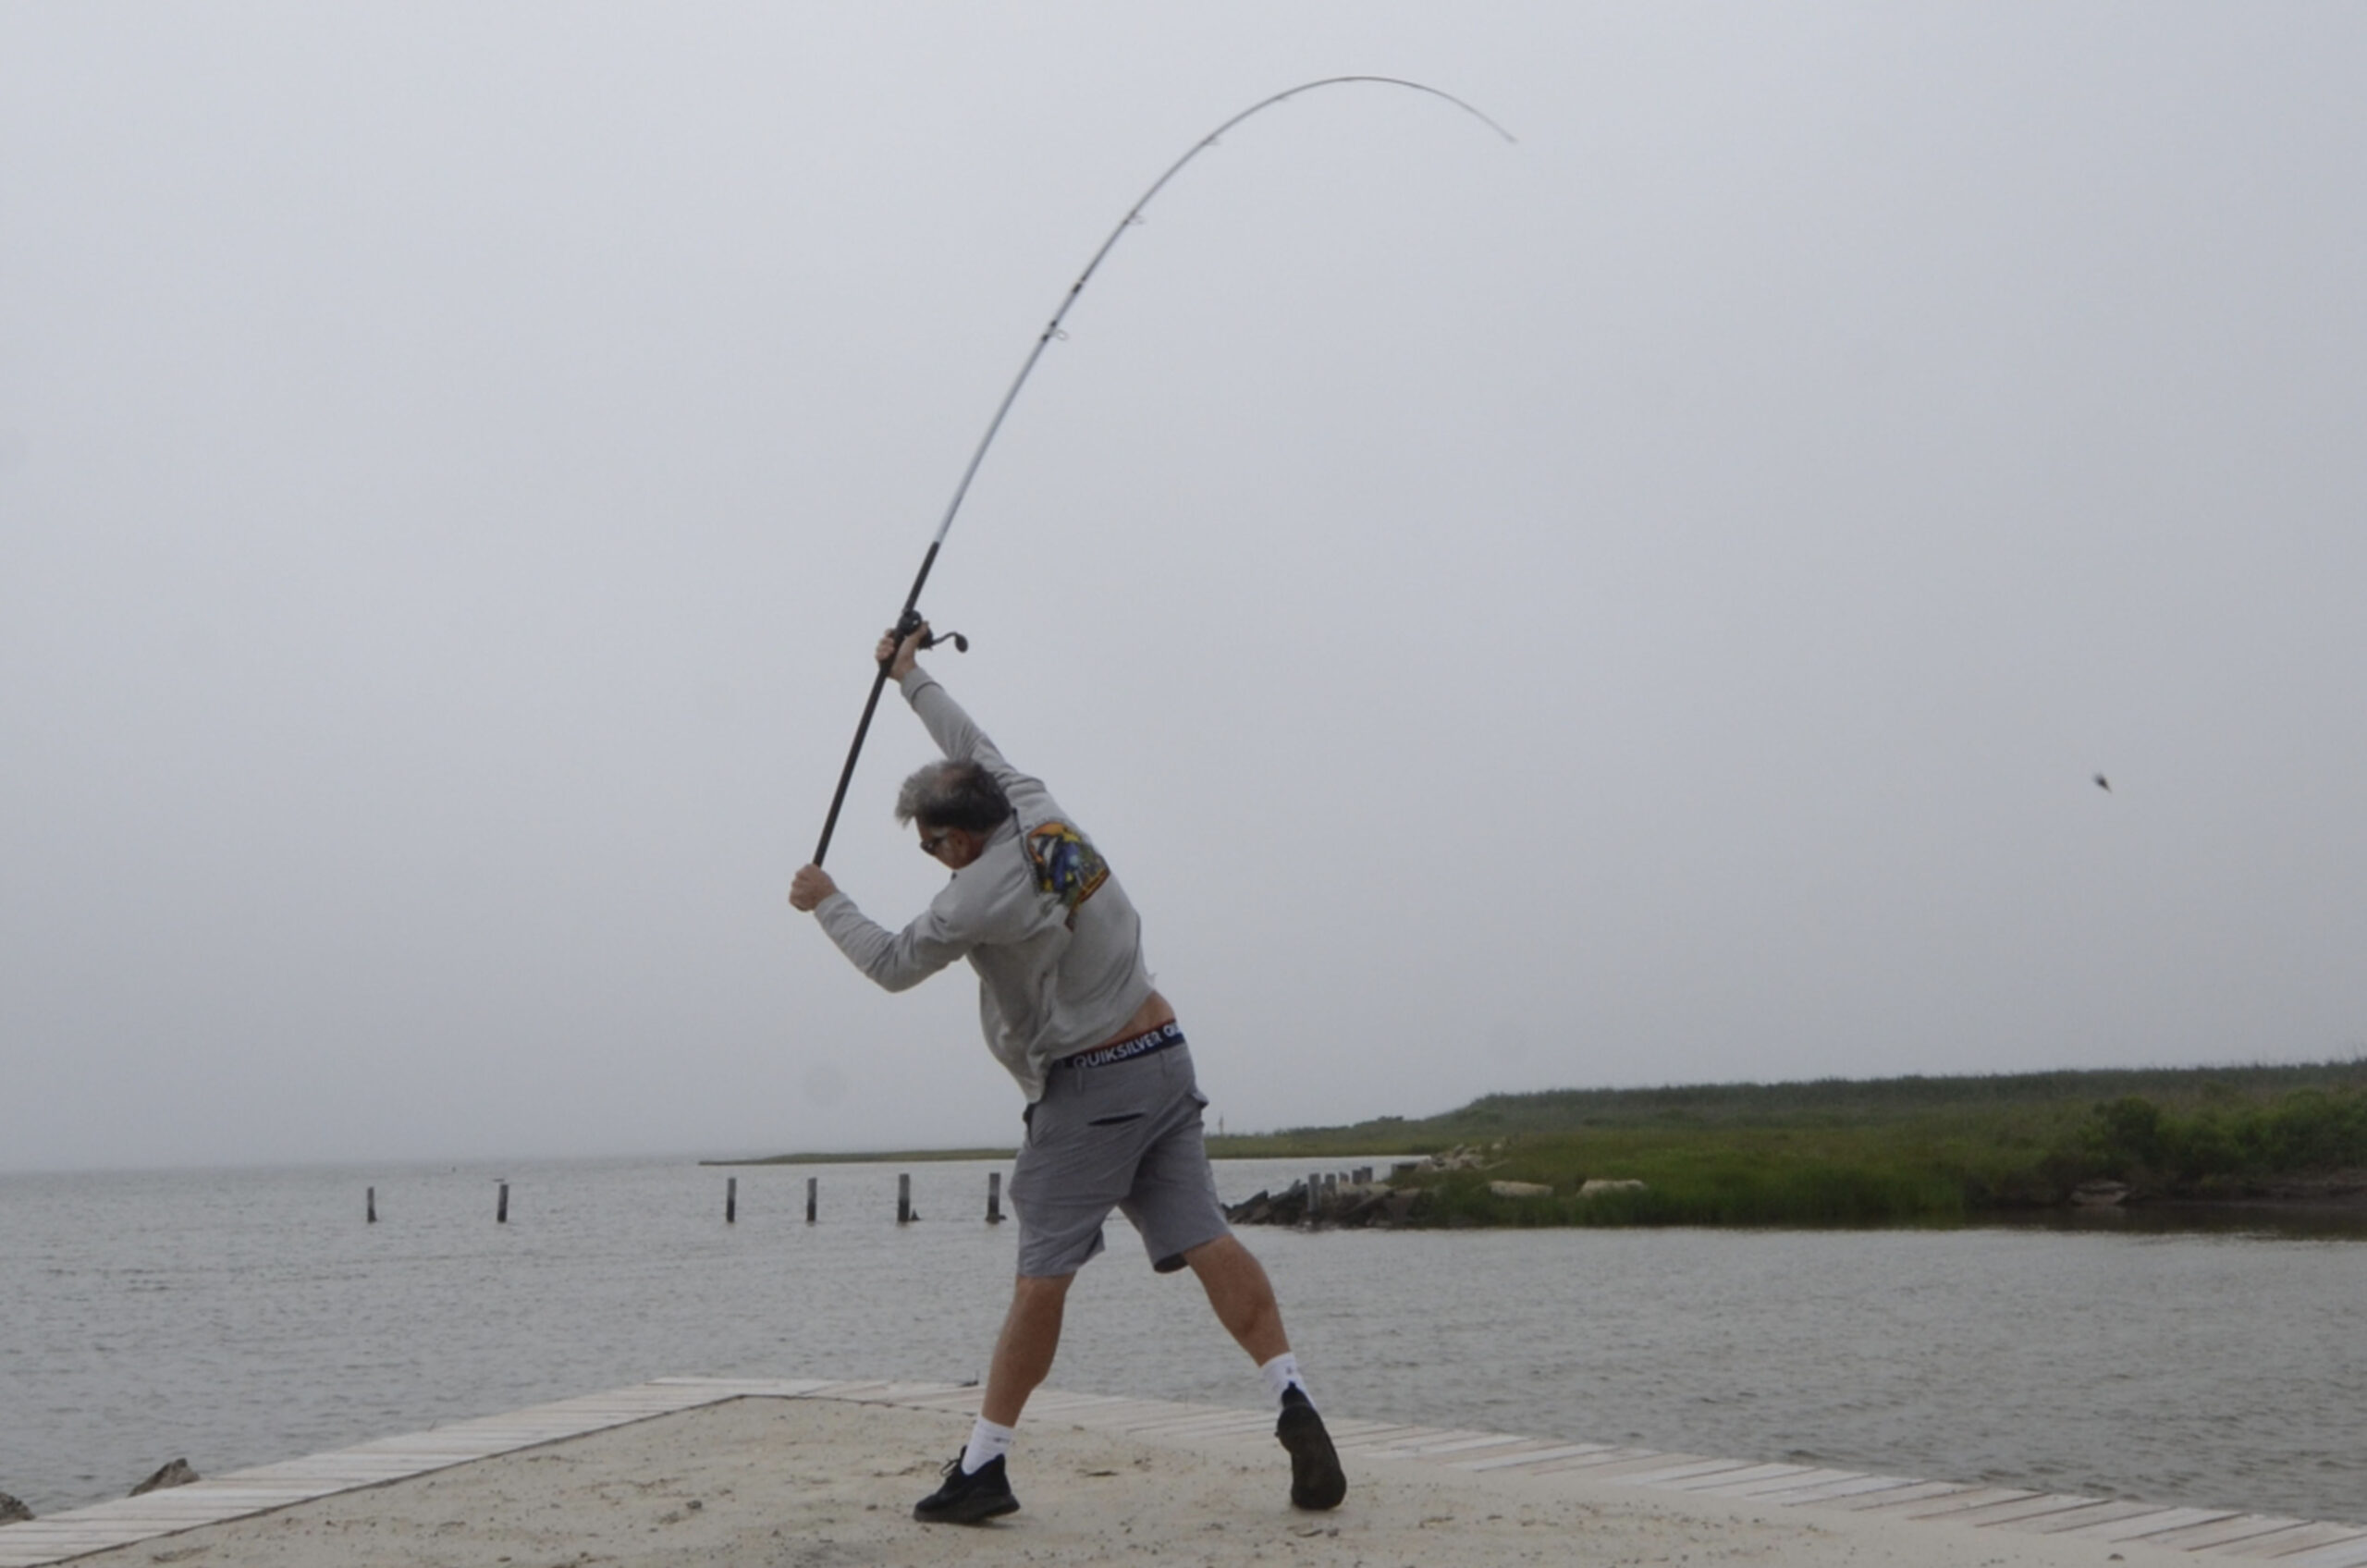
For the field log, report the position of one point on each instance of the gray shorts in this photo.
(1124, 1135)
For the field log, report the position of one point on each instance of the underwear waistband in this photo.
(1168, 1033)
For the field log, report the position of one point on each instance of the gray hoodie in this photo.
(1054, 938)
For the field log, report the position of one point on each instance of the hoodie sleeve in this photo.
(991, 902)
(959, 737)
(895, 959)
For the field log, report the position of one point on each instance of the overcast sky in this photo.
(1645, 604)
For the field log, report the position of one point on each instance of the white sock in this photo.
(988, 1443)
(1283, 1373)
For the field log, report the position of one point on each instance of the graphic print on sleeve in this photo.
(1067, 865)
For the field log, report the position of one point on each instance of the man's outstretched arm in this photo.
(956, 734)
(897, 960)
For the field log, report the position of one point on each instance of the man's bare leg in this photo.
(1031, 1334)
(1244, 1300)
(1242, 1295)
(976, 1490)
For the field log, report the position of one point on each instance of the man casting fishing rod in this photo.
(1114, 1112)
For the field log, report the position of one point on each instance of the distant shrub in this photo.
(2307, 1130)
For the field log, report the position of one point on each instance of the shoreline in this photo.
(2337, 1198)
(826, 1473)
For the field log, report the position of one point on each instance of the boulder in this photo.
(12, 1511)
(1520, 1189)
(176, 1474)
(1599, 1185)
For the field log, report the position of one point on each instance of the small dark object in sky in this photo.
(2101, 783)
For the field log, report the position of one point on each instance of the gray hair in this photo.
(954, 794)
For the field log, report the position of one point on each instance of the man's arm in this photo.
(949, 928)
(956, 734)
(896, 960)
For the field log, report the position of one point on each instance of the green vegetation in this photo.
(1733, 1176)
(1883, 1152)
(2229, 1146)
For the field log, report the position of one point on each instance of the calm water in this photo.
(242, 1316)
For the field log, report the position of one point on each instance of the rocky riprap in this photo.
(1326, 1204)
(1351, 1198)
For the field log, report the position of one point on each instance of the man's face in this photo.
(953, 848)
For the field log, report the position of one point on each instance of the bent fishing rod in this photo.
(910, 620)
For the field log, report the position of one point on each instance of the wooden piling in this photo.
(994, 1197)
(501, 1205)
(370, 1202)
(813, 1185)
(904, 1199)
(731, 1200)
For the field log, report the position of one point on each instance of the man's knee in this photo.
(1218, 1254)
(1034, 1292)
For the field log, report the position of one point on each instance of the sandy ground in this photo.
(780, 1483)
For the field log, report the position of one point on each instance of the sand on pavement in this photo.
(814, 1483)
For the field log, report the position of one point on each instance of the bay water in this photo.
(235, 1317)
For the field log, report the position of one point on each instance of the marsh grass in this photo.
(1735, 1176)
(1898, 1151)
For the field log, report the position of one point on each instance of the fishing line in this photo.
(909, 620)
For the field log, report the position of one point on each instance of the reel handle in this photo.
(909, 623)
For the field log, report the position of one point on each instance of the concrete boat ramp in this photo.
(684, 1469)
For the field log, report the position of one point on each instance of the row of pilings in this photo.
(905, 1212)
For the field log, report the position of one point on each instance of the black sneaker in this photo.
(972, 1499)
(1316, 1478)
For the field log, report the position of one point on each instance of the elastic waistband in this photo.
(1168, 1033)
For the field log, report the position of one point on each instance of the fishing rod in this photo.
(909, 620)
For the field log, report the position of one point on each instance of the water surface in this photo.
(238, 1317)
